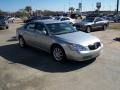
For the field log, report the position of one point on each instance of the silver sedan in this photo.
(60, 39)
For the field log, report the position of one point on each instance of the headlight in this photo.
(77, 47)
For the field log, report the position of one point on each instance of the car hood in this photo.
(78, 38)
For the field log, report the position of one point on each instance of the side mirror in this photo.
(74, 27)
(43, 32)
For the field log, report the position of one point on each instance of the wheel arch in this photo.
(56, 44)
(20, 36)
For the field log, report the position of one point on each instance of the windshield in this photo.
(88, 19)
(45, 17)
(57, 18)
(60, 28)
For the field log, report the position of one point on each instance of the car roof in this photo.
(49, 21)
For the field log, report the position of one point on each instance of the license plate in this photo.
(87, 57)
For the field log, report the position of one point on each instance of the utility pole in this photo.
(117, 6)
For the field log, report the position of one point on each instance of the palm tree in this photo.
(28, 9)
(1, 12)
(71, 9)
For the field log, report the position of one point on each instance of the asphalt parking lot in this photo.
(31, 69)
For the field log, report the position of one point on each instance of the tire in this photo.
(119, 21)
(104, 27)
(88, 29)
(115, 21)
(7, 27)
(58, 53)
(22, 42)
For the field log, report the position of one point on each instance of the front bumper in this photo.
(83, 55)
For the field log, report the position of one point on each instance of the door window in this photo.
(41, 28)
(98, 19)
(30, 27)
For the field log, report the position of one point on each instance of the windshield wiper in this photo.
(65, 33)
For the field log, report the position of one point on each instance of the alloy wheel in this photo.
(58, 54)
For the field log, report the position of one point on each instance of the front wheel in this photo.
(58, 54)
(22, 42)
(88, 29)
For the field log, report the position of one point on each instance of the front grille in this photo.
(94, 46)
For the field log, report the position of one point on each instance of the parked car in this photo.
(60, 39)
(32, 18)
(10, 19)
(110, 18)
(92, 23)
(117, 18)
(66, 19)
(37, 18)
(3, 22)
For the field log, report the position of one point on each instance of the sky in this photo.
(55, 5)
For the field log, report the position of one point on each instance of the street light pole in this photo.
(117, 6)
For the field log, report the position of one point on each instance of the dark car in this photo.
(3, 22)
(37, 18)
(109, 17)
(117, 18)
(92, 23)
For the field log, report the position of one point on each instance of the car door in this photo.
(29, 33)
(98, 23)
(43, 40)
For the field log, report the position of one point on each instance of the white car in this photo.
(66, 19)
(11, 19)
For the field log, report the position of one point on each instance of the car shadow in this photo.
(1, 28)
(12, 39)
(117, 39)
(95, 30)
(38, 59)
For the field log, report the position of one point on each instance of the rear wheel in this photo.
(7, 27)
(118, 20)
(115, 21)
(104, 27)
(22, 42)
(58, 53)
